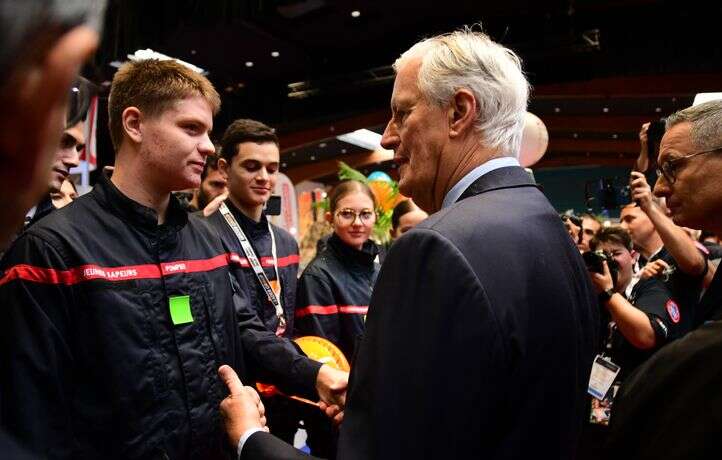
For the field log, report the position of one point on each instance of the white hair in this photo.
(471, 60)
(706, 120)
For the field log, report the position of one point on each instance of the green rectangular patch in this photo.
(180, 309)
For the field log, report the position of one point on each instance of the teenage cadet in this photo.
(119, 310)
(268, 264)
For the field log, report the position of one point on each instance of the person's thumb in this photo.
(230, 378)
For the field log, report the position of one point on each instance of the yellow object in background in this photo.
(318, 349)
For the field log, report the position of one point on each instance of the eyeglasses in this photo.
(348, 216)
(668, 169)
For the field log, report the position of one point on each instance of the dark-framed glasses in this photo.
(668, 168)
(348, 215)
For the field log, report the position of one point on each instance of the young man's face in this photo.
(590, 227)
(252, 173)
(175, 143)
(637, 224)
(67, 156)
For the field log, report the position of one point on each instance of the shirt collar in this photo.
(491, 165)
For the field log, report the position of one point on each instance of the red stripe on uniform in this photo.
(331, 310)
(92, 272)
(266, 262)
(354, 309)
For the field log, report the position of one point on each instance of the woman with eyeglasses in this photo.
(335, 289)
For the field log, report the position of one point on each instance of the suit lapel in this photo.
(507, 177)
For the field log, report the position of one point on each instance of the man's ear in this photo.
(462, 112)
(329, 217)
(131, 119)
(223, 167)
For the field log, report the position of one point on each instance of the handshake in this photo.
(242, 411)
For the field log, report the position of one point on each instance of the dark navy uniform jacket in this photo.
(282, 360)
(94, 363)
(334, 293)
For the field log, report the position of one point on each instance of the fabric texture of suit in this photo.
(480, 335)
(262, 445)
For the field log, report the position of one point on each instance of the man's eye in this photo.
(347, 214)
(251, 166)
(366, 215)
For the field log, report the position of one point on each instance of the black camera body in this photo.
(594, 261)
(654, 135)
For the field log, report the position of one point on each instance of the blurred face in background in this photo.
(65, 195)
(409, 221)
(213, 185)
(353, 219)
(67, 156)
(590, 227)
(637, 224)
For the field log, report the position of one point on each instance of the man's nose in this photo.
(661, 187)
(206, 147)
(390, 138)
(262, 174)
(71, 157)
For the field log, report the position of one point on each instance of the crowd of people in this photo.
(136, 325)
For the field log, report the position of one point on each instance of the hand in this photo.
(602, 281)
(573, 230)
(653, 269)
(214, 204)
(331, 385)
(641, 191)
(333, 412)
(242, 409)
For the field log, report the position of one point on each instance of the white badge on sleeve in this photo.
(604, 371)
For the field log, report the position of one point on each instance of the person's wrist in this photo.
(605, 296)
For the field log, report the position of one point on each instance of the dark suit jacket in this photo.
(479, 339)
(480, 335)
(262, 445)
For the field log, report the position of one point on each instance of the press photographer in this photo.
(638, 323)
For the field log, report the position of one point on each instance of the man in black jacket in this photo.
(250, 162)
(120, 308)
(481, 330)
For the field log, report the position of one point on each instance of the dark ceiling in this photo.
(639, 59)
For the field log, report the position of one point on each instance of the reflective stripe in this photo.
(266, 262)
(332, 310)
(92, 272)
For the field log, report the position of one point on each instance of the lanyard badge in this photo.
(604, 371)
(256, 265)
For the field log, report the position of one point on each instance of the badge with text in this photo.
(604, 371)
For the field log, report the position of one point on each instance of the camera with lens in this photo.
(594, 261)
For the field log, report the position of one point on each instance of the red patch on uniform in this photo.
(673, 311)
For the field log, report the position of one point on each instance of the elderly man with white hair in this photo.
(482, 325)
